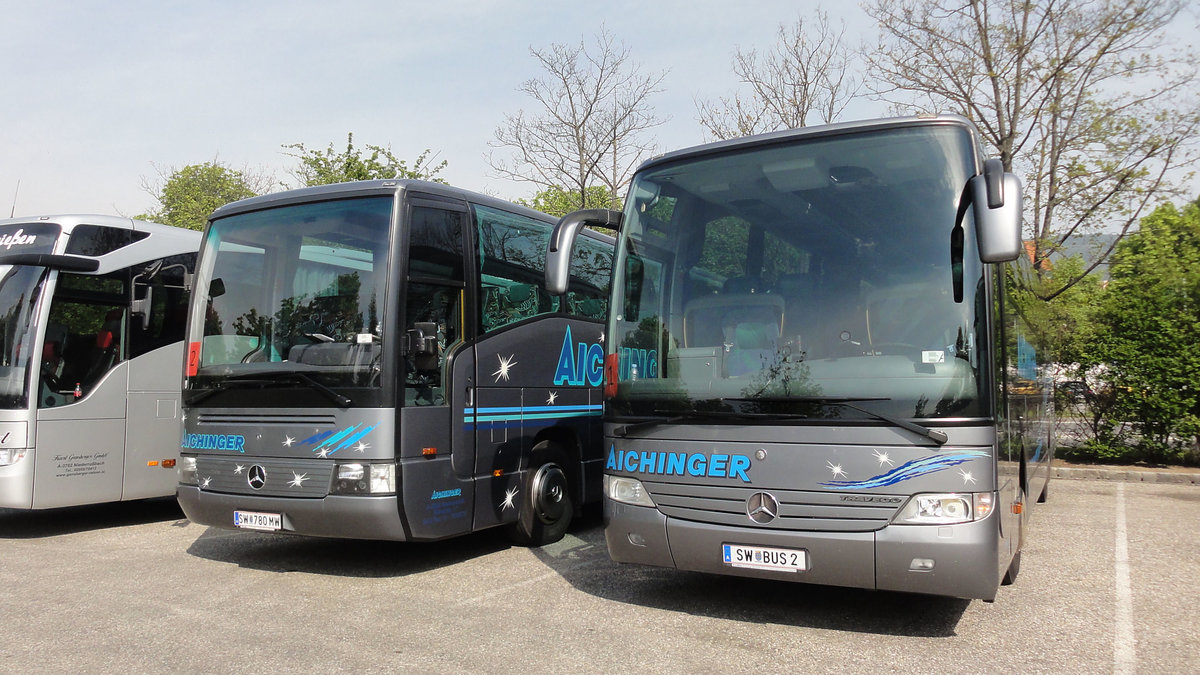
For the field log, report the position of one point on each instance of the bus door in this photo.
(154, 337)
(436, 450)
(82, 392)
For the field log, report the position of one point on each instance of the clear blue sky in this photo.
(97, 94)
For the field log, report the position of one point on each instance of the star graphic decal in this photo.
(323, 453)
(510, 496)
(237, 470)
(297, 479)
(361, 447)
(288, 441)
(601, 337)
(836, 469)
(966, 476)
(883, 458)
(204, 483)
(552, 398)
(506, 365)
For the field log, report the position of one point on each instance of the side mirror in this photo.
(997, 203)
(562, 241)
(141, 308)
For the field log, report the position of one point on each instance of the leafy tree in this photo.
(1059, 328)
(559, 202)
(593, 111)
(323, 167)
(1081, 97)
(187, 196)
(808, 73)
(1146, 343)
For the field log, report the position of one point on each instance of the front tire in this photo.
(546, 504)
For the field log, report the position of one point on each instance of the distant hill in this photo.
(1087, 247)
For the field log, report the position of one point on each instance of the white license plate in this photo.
(252, 520)
(765, 558)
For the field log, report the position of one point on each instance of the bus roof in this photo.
(68, 222)
(788, 135)
(372, 187)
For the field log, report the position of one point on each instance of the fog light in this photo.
(921, 565)
(11, 455)
(637, 539)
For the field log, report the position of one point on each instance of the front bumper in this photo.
(965, 557)
(347, 517)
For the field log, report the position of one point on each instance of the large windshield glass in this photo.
(20, 286)
(19, 289)
(779, 277)
(293, 297)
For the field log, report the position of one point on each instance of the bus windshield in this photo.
(295, 296)
(787, 277)
(19, 289)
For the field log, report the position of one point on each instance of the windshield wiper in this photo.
(848, 402)
(232, 382)
(340, 400)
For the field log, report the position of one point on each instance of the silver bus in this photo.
(817, 368)
(92, 313)
(381, 360)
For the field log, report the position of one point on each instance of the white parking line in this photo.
(1124, 655)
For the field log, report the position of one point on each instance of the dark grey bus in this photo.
(92, 312)
(381, 360)
(816, 367)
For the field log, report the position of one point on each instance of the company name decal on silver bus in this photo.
(234, 442)
(18, 238)
(694, 464)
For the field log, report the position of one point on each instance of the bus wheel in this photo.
(546, 506)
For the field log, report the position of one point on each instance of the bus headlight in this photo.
(626, 491)
(359, 478)
(11, 455)
(945, 509)
(187, 471)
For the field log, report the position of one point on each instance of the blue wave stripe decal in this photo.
(909, 470)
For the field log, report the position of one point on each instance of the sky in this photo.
(101, 97)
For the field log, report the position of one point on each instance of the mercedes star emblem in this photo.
(257, 477)
(762, 507)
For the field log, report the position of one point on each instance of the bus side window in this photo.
(168, 308)
(512, 256)
(591, 271)
(90, 315)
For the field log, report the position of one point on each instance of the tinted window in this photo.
(513, 262)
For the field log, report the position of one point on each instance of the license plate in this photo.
(251, 520)
(765, 558)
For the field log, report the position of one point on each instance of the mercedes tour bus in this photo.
(381, 360)
(94, 309)
(817, 367)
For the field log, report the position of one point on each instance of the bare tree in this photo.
(1081, 97)
(808, 73)
(589, 127)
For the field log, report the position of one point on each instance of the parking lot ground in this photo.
(1107, 584)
